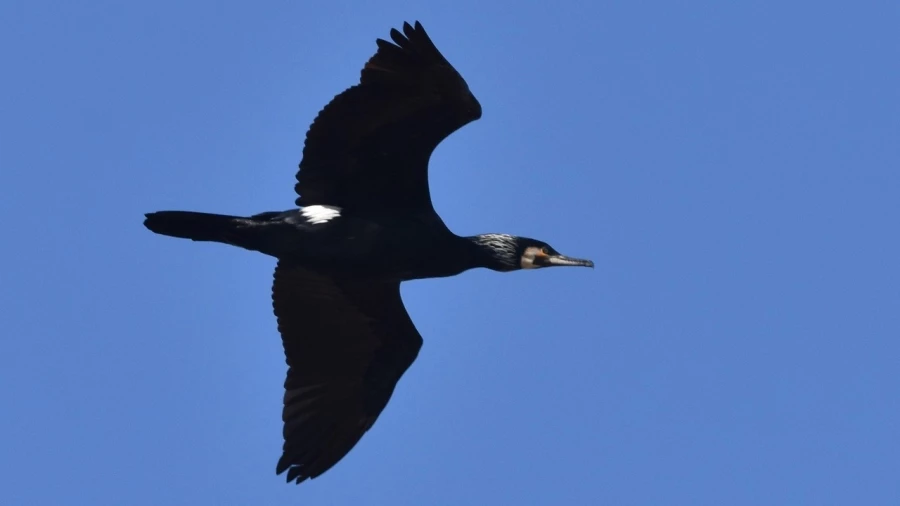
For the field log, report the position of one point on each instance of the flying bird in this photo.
(364, 223)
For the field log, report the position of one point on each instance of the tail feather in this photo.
(194, 226)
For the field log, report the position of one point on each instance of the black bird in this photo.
(365, 224)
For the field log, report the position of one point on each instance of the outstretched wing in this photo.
(369, 147)
(347, 343)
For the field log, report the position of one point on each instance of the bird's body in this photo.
(364, 224)
(389, 247)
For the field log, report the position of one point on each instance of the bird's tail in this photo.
(233, 230)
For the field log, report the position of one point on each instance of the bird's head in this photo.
(509, 253)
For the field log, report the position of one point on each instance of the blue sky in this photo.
(731, 167)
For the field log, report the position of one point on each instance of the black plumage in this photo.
(365, 224)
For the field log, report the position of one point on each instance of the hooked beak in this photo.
(562, 260)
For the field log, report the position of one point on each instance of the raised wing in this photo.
(347, 343)
(369, 147)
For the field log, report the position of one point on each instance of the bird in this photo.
(364, 223)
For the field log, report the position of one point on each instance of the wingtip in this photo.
(411, 29)
(295, 475)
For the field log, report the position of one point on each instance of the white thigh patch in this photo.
(320, 214)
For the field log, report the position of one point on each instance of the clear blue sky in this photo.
(732, 167)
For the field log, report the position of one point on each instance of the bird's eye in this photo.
(545, 250)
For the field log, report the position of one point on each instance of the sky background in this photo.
(733, 169)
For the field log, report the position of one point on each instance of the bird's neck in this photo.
(490, 252)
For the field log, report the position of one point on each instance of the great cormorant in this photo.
(365, 224)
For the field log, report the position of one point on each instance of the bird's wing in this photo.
(347, 343)
(369, 147)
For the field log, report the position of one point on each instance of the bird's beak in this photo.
(561, 260)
